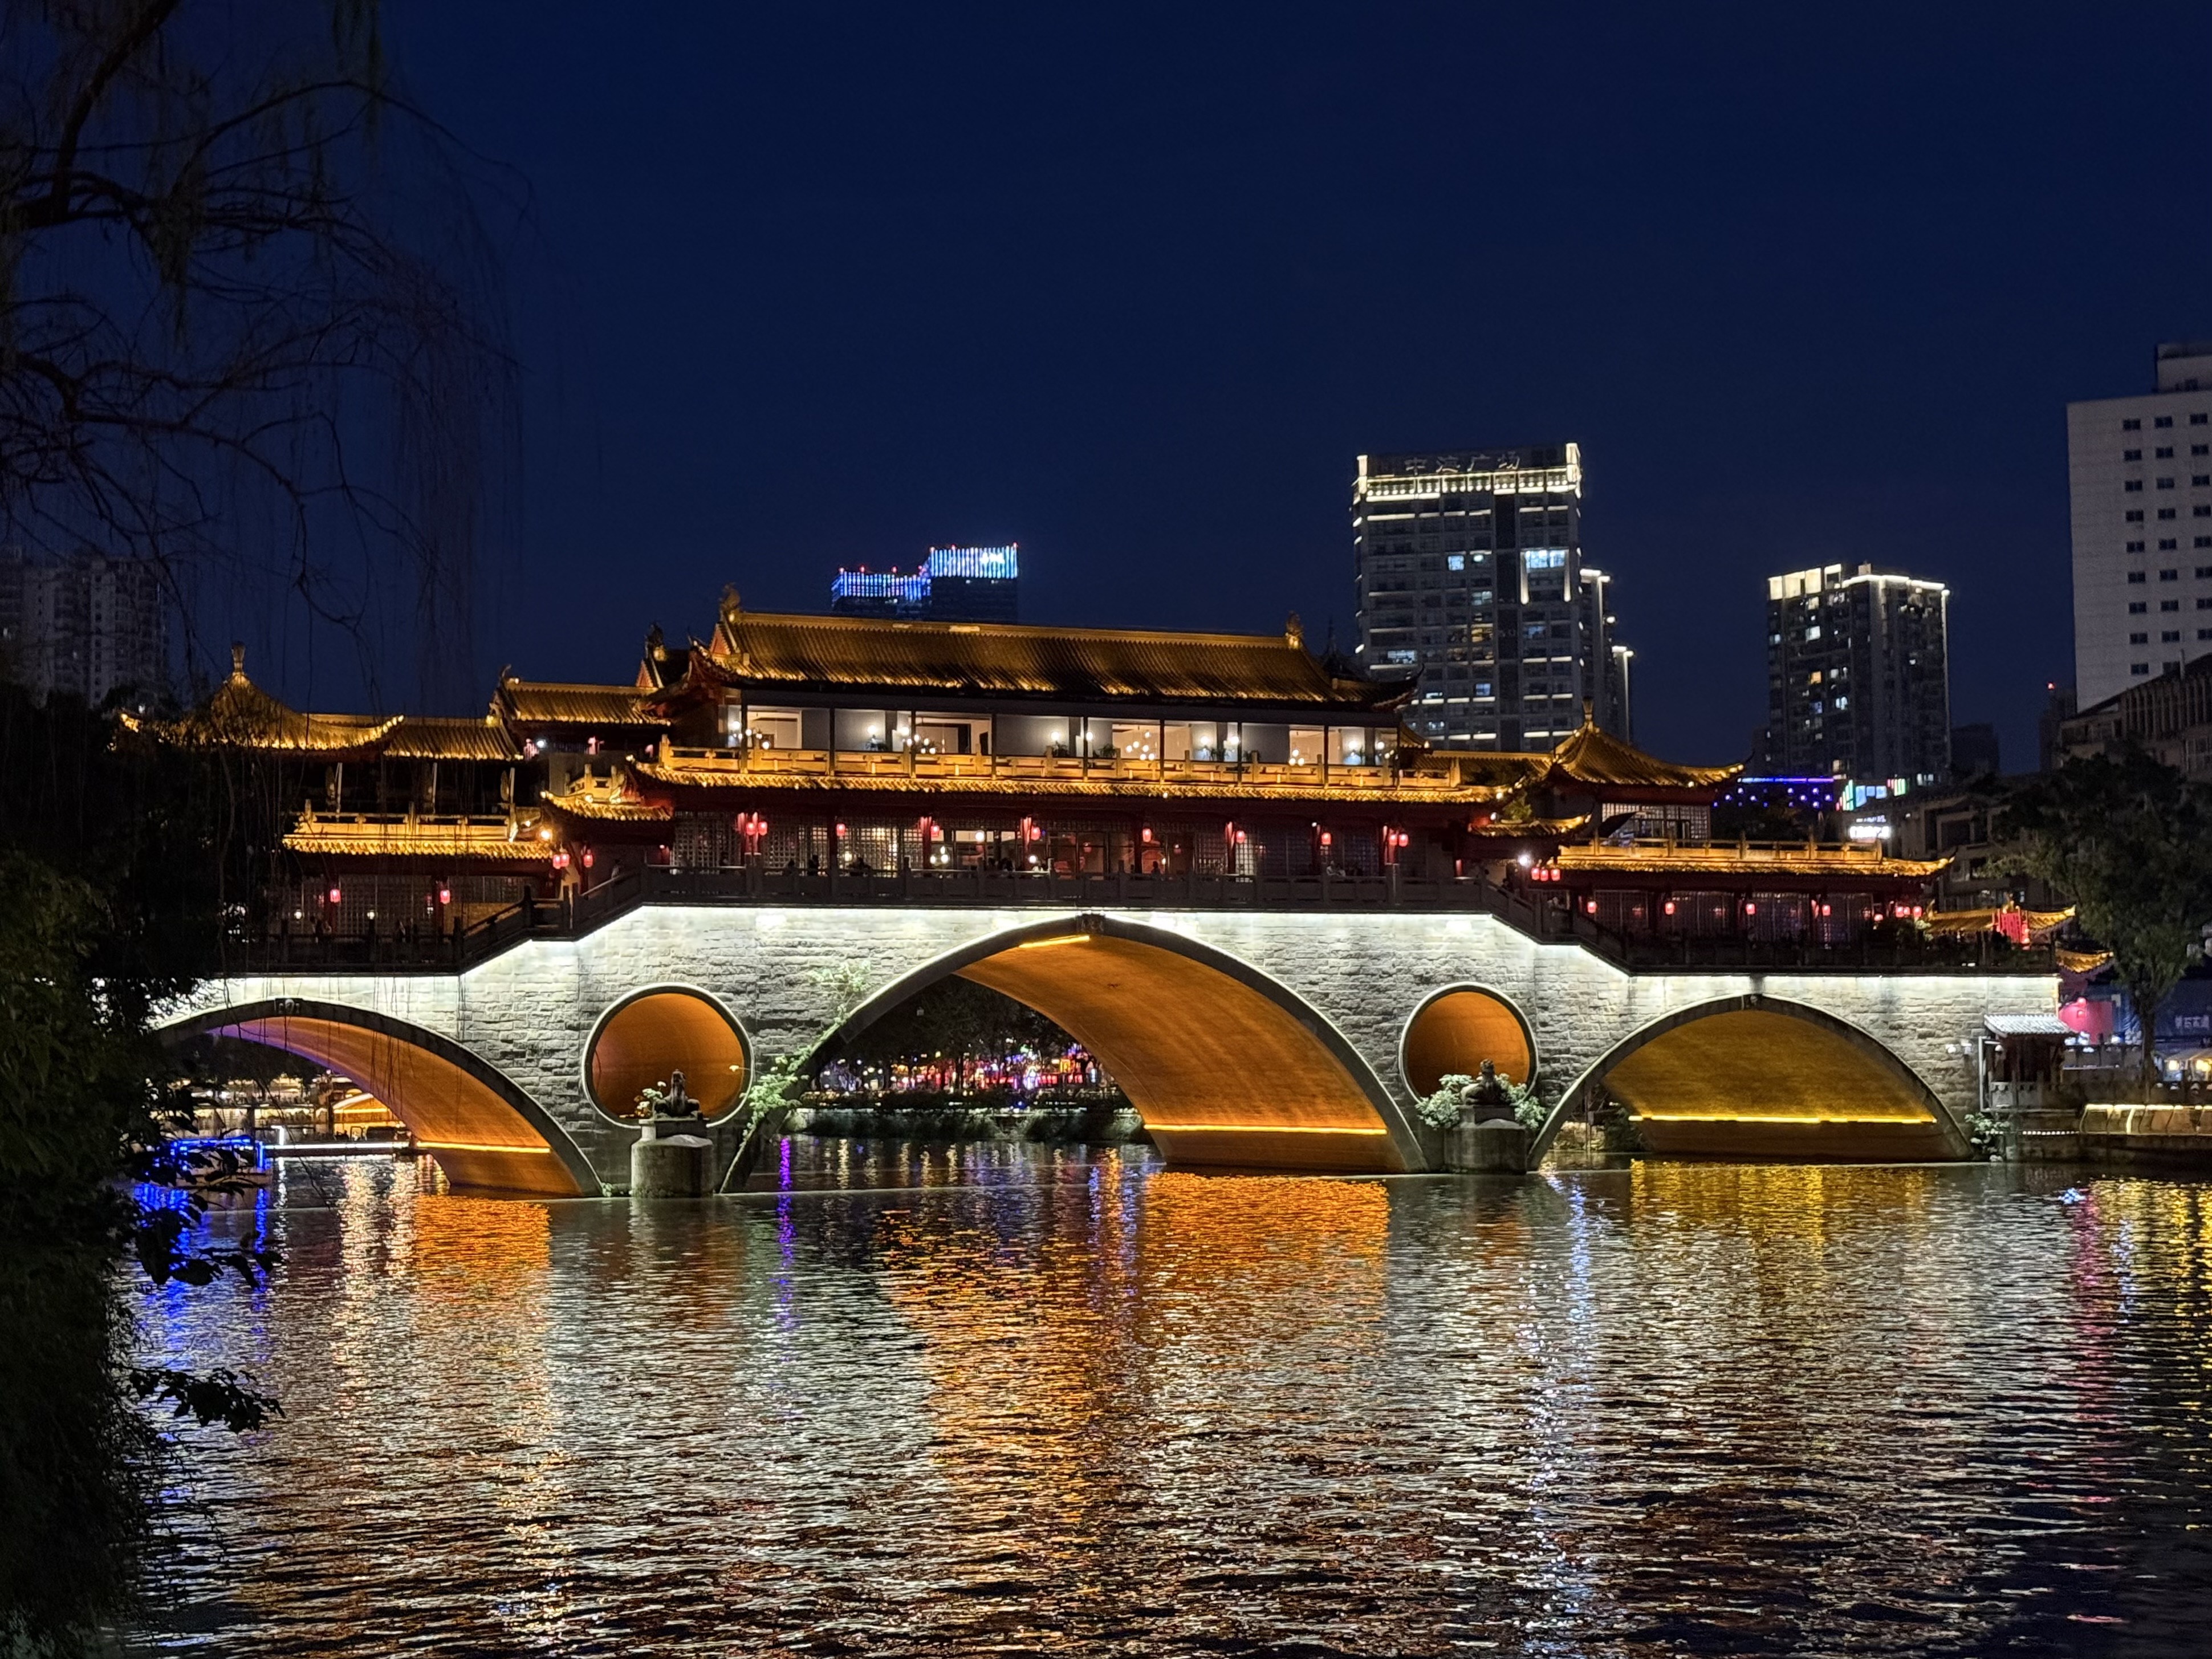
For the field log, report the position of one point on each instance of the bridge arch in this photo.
(1456, 1028)
(643, 1037)
(486, 1132)
(1755, 1076)
(1224, 1064)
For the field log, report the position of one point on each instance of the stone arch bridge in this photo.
(1251, 1039)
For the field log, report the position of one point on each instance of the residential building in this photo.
(1857, 679)
(84, 625)
(2058, 707)
(2140, 472)
(954, 584)
(2170, 716)
(1975, 750)
(1472, 586)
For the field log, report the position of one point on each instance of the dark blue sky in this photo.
(1134, 287)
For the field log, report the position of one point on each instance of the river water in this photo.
(1003, 1399)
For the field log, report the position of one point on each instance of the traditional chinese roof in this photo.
(239, 715)
(501, 839)
(529, 704)
(1598, 760)
(446, 737)
(1690, 860)
(1981, 921)
(767, 652)
(590, 802)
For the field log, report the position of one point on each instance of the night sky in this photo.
(804, 286)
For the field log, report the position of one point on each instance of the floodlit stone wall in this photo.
(788, 974)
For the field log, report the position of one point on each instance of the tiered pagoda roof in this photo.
(769, 653)
(1597, 761)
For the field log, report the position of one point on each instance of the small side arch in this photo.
(1225, 1065)
(1754, 1076)
(1455, 1029)
(485, 1131)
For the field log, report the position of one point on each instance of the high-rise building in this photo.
(2140, 472)
(954, 584)
(1858, 681)
(82, 625)
(1472, 582)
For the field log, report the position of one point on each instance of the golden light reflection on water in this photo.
(1038, 1399)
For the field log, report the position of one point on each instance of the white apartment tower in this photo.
(1471, 581)
(2140, 472)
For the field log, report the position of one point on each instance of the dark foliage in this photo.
(2128, 842)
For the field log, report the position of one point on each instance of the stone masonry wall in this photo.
(531, 1011)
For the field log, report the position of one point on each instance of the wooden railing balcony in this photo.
(735, 764)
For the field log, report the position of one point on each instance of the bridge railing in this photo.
(580, 913)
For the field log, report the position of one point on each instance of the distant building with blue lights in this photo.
(956, 583)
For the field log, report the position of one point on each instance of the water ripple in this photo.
(1030, 1400)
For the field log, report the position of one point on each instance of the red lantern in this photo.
(445, 894)
(587, 858)
(1670, 907)
(1749, 908)
(335, 895)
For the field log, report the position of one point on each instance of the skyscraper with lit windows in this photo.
(1471, 582)
(2139, 471)
(1858, 682)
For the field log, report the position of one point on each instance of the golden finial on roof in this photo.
(238, 659)
(1294, 630)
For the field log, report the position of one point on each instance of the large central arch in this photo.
(1759, 1077)
(1223, 1065)
(485, 1132)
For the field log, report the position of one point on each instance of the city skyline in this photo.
(1833, 314)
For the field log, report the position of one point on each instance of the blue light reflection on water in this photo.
(1036, 1399)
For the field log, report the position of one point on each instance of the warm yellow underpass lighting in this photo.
(1057, 939)
(1763, 1117)
(1259, 1129)
(474, 1147)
